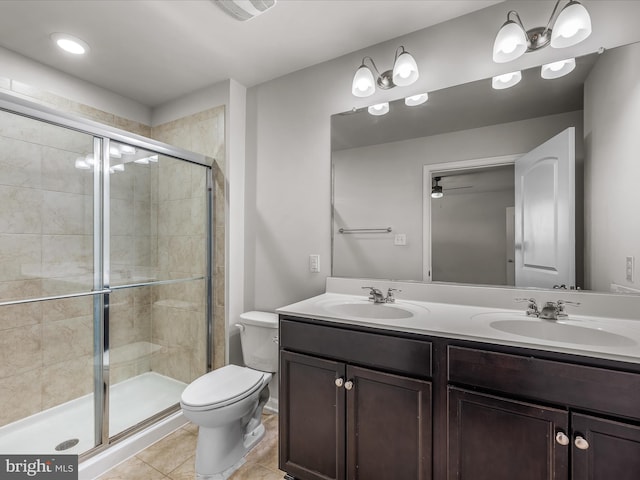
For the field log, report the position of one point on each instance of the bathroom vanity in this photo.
(447, 391)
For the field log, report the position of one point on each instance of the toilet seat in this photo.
(221, 387)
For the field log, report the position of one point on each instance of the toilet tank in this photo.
(259, 339)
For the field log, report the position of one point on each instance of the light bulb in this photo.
(510, 43)
(507, 80)
(572, 26)
(558, 69)
(416, 100)
(363, 84)
(379, 109)
(405, 70)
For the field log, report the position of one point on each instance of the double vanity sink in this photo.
(617, 339)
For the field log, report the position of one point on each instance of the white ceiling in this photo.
(153, 51)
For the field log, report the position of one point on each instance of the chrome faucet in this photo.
(550, 311)
(376, 296)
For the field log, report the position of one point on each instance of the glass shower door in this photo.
(46, 287)
(158, 275)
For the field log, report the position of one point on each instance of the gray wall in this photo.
(287, 204)
(612, 169)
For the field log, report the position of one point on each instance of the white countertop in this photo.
(600, 337)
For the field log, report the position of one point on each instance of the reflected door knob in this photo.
(348, 385)
(562, 439)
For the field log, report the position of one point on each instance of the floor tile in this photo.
(170, 452)
(133, 469)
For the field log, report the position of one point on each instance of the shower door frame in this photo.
(102, 136)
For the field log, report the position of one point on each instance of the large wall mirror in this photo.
(468, 140)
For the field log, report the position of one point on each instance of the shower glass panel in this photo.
(46, 254)
(105, 280)
(158, 267)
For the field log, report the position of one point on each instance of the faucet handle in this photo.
(390, 297)
(532, 307)
(561, 304)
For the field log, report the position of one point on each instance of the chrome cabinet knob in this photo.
(339, 382)
(562, 439)
(581, 442)
(348, 385)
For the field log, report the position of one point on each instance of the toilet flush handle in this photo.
(240, 327)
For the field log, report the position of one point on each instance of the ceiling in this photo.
(153, 51)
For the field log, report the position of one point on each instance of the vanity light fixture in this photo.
(507, 80)
(415, 100)
(571, 27)
(436, 190)
(244, 9)
(404, 72)
(379, 109)
(558, 69)
(70, 44)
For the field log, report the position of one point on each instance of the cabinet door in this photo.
(491, 438)
(610, 450)
(312, 409)
(388, 426)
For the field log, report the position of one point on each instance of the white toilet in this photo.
(227, 403)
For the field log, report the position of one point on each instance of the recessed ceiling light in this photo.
(70, 44)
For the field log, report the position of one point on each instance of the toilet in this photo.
(227, 403)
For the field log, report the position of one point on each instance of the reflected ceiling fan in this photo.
(437, 190)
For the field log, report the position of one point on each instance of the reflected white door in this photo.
(511, 245)
(545, 214)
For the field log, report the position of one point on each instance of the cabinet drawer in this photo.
(385, 352)
(597, 389)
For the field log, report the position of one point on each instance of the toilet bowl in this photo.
(227, 403)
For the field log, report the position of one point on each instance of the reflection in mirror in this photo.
(379, 177)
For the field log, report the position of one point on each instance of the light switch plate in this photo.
(314, 263)
(629, 267)
(400, 239)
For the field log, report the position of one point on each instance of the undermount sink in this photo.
(557, 331)
(365, 309)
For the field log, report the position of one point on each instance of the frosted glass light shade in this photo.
(572, 26)
(511, 43)
(379, 109)
(363, 82)
(405, 70)
(558, 69)
(416, 100)
(507, 80)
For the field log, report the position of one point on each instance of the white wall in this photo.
(288, 135)
(612, 169)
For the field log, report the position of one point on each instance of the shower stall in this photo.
(105, 280)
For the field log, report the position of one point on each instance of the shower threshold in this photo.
(71, 425)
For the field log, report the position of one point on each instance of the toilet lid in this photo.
(222, 385)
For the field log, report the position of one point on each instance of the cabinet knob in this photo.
(348, 385)
(581, 442)
(339, 382)
(562, 438)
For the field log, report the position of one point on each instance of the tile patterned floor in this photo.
(173, 458)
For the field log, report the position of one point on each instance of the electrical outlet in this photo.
(629, 268)
(400, 239)
(314, 263)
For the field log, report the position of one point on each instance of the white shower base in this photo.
(132, 401)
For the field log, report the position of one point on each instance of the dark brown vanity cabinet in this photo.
(499, 438)
(341, 419)
(367, 404)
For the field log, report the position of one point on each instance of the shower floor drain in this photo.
(67, 444)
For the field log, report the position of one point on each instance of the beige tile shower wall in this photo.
(201, 133)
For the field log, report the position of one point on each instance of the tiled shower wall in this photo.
(143, 318)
